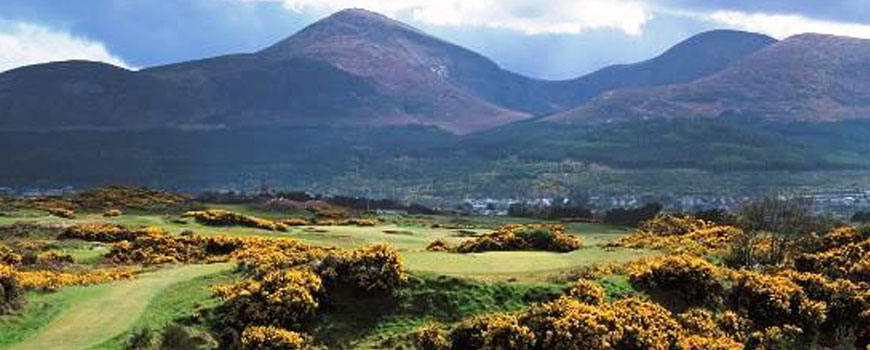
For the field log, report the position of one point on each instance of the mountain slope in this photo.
(81, 94)
(354, 68)
(807, 78)
(406, 76)
(696, 57)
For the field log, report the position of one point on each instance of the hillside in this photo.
(696, 57)
(805, 78)
(354, 68)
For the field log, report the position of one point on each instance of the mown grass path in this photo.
(109, 312)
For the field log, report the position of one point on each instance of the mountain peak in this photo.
(340, 27)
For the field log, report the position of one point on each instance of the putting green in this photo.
(109, 310)
(522, 265)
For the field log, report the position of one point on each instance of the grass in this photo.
(175, 304)
(89, 316)
(445, 287)
(520, 265)
(40, 310)
(411, 235)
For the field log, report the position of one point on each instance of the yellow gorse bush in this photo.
(108, 233)
(8, 256)
(523, 237)
(588, 292)
(691, 277)
(439, 245)
(430, 337)
(114, 197)
(845, 253)
(294, 222)
(272, 338)
(696, 342)
(376, 268)
(53, 257)
(220, 217)
(53, 280)
(284, 298)
(289, 280)
(776, 300)
(62, 213)
(679, 233)
(11, 291)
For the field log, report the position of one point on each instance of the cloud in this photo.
(530, 17)
(25, 44)
(784, 25)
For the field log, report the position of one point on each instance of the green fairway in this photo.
(94, 315)
(516, 265)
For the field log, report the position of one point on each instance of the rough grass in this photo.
(89, 316)
(178, 303)
(41, 309)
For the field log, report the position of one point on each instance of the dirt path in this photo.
(109, 312)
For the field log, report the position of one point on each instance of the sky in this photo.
(549, 39)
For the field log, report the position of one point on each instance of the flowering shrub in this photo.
(52, 280)
(361, 222)
(847, 302)
(775, 300)
(588, 292)
(523, 237)
(11, 291)
(62, 213)
(844, 255)
(41, 203)
(8, 256)
(693, 278)
(376, 268)
(294, 222)
(160, 248)
(439, 245)
(714, 326)
(774, 338)
(430, 338)
(284, 298)
(220, 217)
(567, 324)
(496, 332)
(677, 233)
(128, 197)
(53, 257)
(108, 233)
(696, 342)
(272, 338)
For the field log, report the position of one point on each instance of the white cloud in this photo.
(24, 44)
(526, 16)
(782, 26)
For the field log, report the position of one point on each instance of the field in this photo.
(104, 316)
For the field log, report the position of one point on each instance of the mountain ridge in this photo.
(354, 68)
(804, 78)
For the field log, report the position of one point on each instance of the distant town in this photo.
(838, 203)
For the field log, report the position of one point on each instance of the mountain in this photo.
(354, 68)
(696, 57)
(805, 78)
(370, 70)
(80, 94)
